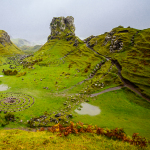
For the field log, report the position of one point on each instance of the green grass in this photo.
(120, 108)
(17, 139)
(134, 59)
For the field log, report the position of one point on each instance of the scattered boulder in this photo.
(116, 44)
(69, 116)
(58, 115)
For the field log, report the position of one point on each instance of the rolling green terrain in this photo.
(51, 84)
(134, 56)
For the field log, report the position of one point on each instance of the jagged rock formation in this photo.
(4, 38)
(116, 43)
(61, 26)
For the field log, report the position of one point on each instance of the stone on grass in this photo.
(58, 115)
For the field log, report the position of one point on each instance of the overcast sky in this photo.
(30, 19)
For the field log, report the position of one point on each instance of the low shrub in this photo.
(9, 117)
(10, 72)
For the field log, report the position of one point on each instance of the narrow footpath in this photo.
(107, 90)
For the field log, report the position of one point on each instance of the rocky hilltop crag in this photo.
(62, 27)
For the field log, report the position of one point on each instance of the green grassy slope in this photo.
(17, 139)
(7, 49)
(133, 57)
(61, 52)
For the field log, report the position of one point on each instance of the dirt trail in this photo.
(107, 90)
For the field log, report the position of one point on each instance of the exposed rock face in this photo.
(116, 43)
(4, 38)
(88, 39)
(61, 26)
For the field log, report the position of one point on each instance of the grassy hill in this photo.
(7, 48)
(63, 73)
(133, 56)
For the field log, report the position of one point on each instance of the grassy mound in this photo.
(133, 55)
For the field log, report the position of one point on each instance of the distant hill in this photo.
(30, 49)
(21, 42)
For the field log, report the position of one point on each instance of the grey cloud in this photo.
(30, 19)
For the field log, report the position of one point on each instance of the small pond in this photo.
(3, 87)
(1, 76)
(88, 109)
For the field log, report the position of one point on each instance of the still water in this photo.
(4, 87)
(88, 109)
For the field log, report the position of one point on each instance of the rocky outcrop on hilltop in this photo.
(116, 43)
(4, 38)
(61, 26)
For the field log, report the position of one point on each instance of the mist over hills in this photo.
(20, 42)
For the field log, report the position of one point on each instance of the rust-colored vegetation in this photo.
(117, 133)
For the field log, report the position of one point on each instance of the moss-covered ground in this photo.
(134, 57)
(15, 139)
